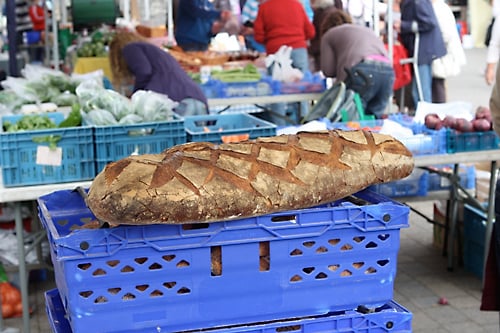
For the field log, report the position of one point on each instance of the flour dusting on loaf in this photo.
(204, 182)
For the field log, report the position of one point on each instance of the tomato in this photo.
(7, 310)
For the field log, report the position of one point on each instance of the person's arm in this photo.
(328, 60)
(495, 103)
(493, 53)
(138, 65)
(425, 20)
(258, 28)
(309, 29)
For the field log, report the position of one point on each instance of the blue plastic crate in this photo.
(415, 184)
(310, 83)
(56, 314)
(474, 236)
(467, 175)
(19, 152)
(119, 141)
(265, 87)
(226, 127)
(218, 89)
(180, 277)
(390, 317)
(471, 141)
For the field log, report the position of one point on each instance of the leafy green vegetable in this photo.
(30, 123)
(73, 119)
(52, 140)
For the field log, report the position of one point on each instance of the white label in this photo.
(47, 156)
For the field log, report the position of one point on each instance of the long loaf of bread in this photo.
(203, 182)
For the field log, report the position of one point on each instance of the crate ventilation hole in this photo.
(142, 288)
(336, 268)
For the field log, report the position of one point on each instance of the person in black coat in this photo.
(417, 16)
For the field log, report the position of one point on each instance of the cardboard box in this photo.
(439, 231)
(151, 32)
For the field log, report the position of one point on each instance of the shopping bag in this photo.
(402, 72)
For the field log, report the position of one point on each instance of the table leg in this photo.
(23, 280)
(491, 211)
(453, 219)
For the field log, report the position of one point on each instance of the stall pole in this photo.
(10, 7)
(64, 13)
(147, 11)
(55, 33)
(170, 23)
(126, 10)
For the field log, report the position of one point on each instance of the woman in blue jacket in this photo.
(418, 16)
(135, 60)
(196, 22)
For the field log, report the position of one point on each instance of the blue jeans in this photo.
(300, 60)
(425, 73)
(373, 81)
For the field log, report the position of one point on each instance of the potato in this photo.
(481, 125)
(433, 121)
(449, 121)
(483, 112)
(464, 125)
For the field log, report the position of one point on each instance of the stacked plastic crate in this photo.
(329, 268)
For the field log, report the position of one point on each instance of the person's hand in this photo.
(397, 26)
(217, 27)
(245, 31)
(225, 15)
(489, 73)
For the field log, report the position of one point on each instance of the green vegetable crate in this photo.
(47, 156)
(119, 141)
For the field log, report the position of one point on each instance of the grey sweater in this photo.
(345, 46)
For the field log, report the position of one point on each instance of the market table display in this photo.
(17, 195)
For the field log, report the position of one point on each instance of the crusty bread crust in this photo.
(203, 182)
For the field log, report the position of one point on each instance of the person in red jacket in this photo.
(37, 34)
(37, 16)
(284, 22)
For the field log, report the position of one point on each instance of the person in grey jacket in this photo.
(417, 16)
(356, 55)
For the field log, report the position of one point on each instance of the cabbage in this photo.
(99, 117)
(153, 106)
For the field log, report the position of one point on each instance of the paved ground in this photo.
(422, 277)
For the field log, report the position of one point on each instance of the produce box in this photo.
(219, 89)
(230, 127)
(119, 141)
(471, 141)
(414, 185)
(151, 31)
(47, 156)
(467, 174)
(296, 263)
(390, 317)
(309, 83)
(474, 235)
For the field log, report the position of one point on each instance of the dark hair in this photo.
(333, 18)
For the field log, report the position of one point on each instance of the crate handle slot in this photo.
(141, 132)
(285, 218)
(235, 138)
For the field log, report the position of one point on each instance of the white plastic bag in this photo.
(281, 63)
